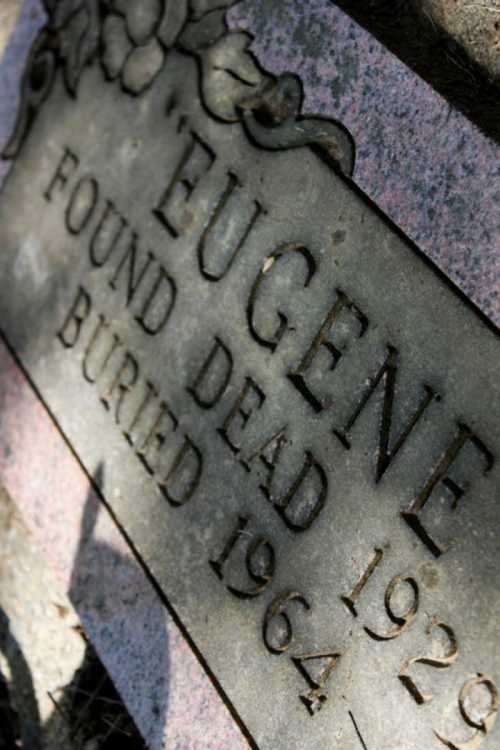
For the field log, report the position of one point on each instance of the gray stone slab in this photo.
(292, 414)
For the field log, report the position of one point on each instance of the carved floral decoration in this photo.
(74, 36)
(132, 38)
(136, 36)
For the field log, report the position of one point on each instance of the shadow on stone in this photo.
(22, 723)
(104, 589)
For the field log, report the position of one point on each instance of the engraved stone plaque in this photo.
(293, 416)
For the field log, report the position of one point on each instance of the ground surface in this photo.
(475, 24)
(54, 691)
(452, 44)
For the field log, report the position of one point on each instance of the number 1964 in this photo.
(260, 564)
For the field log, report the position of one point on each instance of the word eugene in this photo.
(149, 293)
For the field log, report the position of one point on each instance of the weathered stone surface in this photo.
(9, 13)
(40, 646)
(447, 206)
(158, 676)
(142, 66)
(116, 46)
(475, 25)
(451, 54)
(267, 397)
(425, 164)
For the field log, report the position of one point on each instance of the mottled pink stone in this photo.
(425, 165)
(164, 686)
(154, 669)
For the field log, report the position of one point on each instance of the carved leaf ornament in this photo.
(131, 40)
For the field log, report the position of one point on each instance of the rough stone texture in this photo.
(180, 520)
(41, 648)
(9, 13)
(129, 627)
(473, 23)
(409, 30)
(15, 42)
(419, 159)
(165, 688)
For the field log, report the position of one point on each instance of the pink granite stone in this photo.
(161, 681)
(428, 167)
(154, 669)
(12, 62)
(424, 164)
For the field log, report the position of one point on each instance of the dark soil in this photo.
(403, 27)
